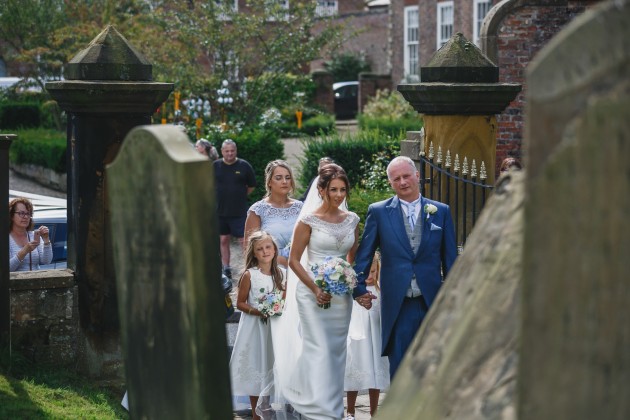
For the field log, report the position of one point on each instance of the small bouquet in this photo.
(335, 276)
(270, 303)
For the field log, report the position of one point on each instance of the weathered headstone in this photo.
(166, 253)
(462, 363)
(575, 354)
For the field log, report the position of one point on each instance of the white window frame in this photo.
(443, 23)
(486, 5)
(412, 70)
(327, 8)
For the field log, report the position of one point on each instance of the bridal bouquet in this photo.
(335, 276)
(270, 303)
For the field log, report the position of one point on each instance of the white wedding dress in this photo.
(315, 387)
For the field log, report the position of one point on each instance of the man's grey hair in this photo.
(399, 159)
(228, 142)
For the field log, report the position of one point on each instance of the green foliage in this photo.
(347, 66)
(361, 198)
(390, 113)
(34, 391)
(390, 105)
(258, 147)
(348, 151)
(375, 169)
(19, 115)
(41, 147)
(396, 127)
(319, 124)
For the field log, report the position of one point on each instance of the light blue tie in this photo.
(411, 213)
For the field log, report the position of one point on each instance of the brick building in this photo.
(509, 32)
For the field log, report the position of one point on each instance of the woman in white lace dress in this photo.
(313, 383)
(276, 213)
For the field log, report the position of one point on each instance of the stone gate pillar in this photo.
(459, 96)
(108, 91)
(5, 321)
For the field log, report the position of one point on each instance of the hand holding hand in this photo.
(365, 300)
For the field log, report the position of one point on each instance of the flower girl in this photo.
(365, 368)
(259, 297)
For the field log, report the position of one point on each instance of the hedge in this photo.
(14, 115)
(393, 127)
(347, 151)
(40, 147)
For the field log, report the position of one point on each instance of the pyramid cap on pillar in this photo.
(459, 61)
(109, 57)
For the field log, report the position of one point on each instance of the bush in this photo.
(314, 121)
(396, 127)
(389, 105)
(348, 151)
(15, 115)
(258, 147)
(41, 147)
(360, 199)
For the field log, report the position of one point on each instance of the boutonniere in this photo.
(430, 209)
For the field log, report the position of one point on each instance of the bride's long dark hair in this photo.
(329, 172)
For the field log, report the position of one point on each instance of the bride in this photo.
(311, 357)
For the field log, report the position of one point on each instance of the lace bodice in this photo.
(330, 239)
(278, 222)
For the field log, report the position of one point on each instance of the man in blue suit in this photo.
(417, 243)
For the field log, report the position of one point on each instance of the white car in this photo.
(53, 213)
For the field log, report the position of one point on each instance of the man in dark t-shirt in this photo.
(234, 180)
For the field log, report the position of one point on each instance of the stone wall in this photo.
(45, 316)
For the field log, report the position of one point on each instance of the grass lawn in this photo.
(29, 391)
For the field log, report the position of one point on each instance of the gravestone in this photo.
(575, 355)
(462, 363)
(166, 255)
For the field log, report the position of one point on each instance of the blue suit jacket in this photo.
(385, 229)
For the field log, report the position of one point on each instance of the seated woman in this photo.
(27, 248)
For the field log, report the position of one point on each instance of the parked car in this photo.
(53, 213)
(346, 99)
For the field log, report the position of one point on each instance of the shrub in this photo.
(314, 121)
(40, 147)
(391, 105)
(348, 151)
(19, 115)
(396, 127)
(361, 198)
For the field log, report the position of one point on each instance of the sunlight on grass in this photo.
(48, 393)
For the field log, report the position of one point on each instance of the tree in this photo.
(347, 66)
(261, 50)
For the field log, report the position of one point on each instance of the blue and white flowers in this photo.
(335, 276)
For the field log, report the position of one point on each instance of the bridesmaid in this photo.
(277, 212)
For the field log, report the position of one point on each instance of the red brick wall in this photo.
(370, 41)
(521, 35)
